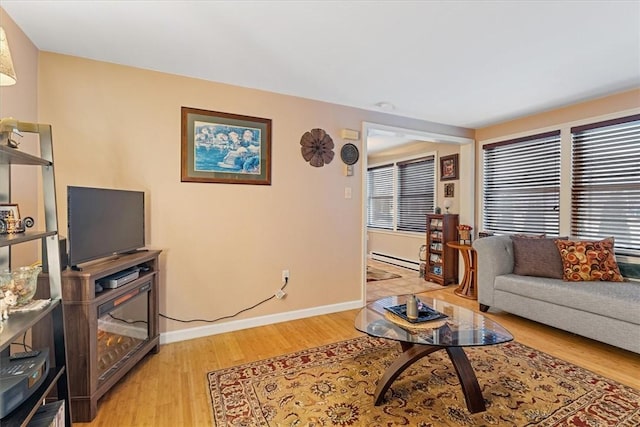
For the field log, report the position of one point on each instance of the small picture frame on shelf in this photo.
(9, 211)
(10, 220)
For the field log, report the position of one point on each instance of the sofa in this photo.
(606, 311)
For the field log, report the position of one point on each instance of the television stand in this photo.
(89, 324)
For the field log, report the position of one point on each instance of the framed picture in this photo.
(225, 148)
(9, 211)
(449, 167)
(448, 189)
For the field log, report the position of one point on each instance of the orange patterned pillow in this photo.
(588, 260)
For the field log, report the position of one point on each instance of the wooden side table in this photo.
(467, 287)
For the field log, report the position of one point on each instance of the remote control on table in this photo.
(24, 355)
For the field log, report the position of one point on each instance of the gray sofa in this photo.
(604, 311)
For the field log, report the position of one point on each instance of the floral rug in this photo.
(333, 385)
(374, 274)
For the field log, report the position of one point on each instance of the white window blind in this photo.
(521, 191)
(415, 193)
(401, 194)
(380, 197)
(605, 191)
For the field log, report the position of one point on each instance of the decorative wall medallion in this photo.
(349, 154)
(317, 147)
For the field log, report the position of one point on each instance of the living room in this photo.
(224, 247)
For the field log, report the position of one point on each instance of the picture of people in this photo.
(225, 148)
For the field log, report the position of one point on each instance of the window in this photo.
(380, 197)
(401, 194)
(605, 190)
(415, 194)
(521, 192)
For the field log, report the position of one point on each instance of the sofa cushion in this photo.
(611, 299)
(589, 260)
(536, 257)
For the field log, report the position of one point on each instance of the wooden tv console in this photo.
(81, 306)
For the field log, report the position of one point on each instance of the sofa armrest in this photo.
(495, 258)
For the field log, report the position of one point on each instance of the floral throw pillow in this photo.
(588, 260)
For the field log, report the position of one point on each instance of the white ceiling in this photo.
(464, 63)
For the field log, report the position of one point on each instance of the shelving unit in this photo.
(19, 323)
(442, 260)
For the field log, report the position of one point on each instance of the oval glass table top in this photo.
(461, 328)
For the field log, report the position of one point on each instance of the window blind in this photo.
(605, 191)
(380, 197)
(521, 190)
(415, 193)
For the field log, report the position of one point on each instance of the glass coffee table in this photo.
(460, 328)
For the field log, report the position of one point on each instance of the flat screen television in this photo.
(103, 222)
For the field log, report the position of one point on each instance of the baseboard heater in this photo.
(390, 259)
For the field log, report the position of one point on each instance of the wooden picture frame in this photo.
(449, 189)
(226, 148)
(449, 167)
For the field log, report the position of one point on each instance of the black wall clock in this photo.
(349, 154)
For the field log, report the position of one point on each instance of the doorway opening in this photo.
(383, 143)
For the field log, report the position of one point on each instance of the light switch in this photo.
(347, 192)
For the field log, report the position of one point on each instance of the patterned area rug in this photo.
(374, 274)
(333, 385)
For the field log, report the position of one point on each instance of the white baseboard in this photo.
(390, 259)
(204, 331)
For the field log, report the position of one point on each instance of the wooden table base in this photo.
(467, 287)
(411, 353)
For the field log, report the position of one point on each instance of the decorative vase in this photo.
(412, 307)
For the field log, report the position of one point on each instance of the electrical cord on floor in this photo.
(286, 282)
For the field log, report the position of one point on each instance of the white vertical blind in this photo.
(416, 188)
(605, 191)
(521, 191)
(380, 197)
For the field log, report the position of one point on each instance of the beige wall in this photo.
(595, 108)
(20, 101)
(224, 245)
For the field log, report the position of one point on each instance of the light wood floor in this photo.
(170, 388)
(409, 282)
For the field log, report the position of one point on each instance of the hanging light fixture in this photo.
(7, 73)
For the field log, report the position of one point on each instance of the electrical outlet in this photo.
(285, 275)
(280, 294)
